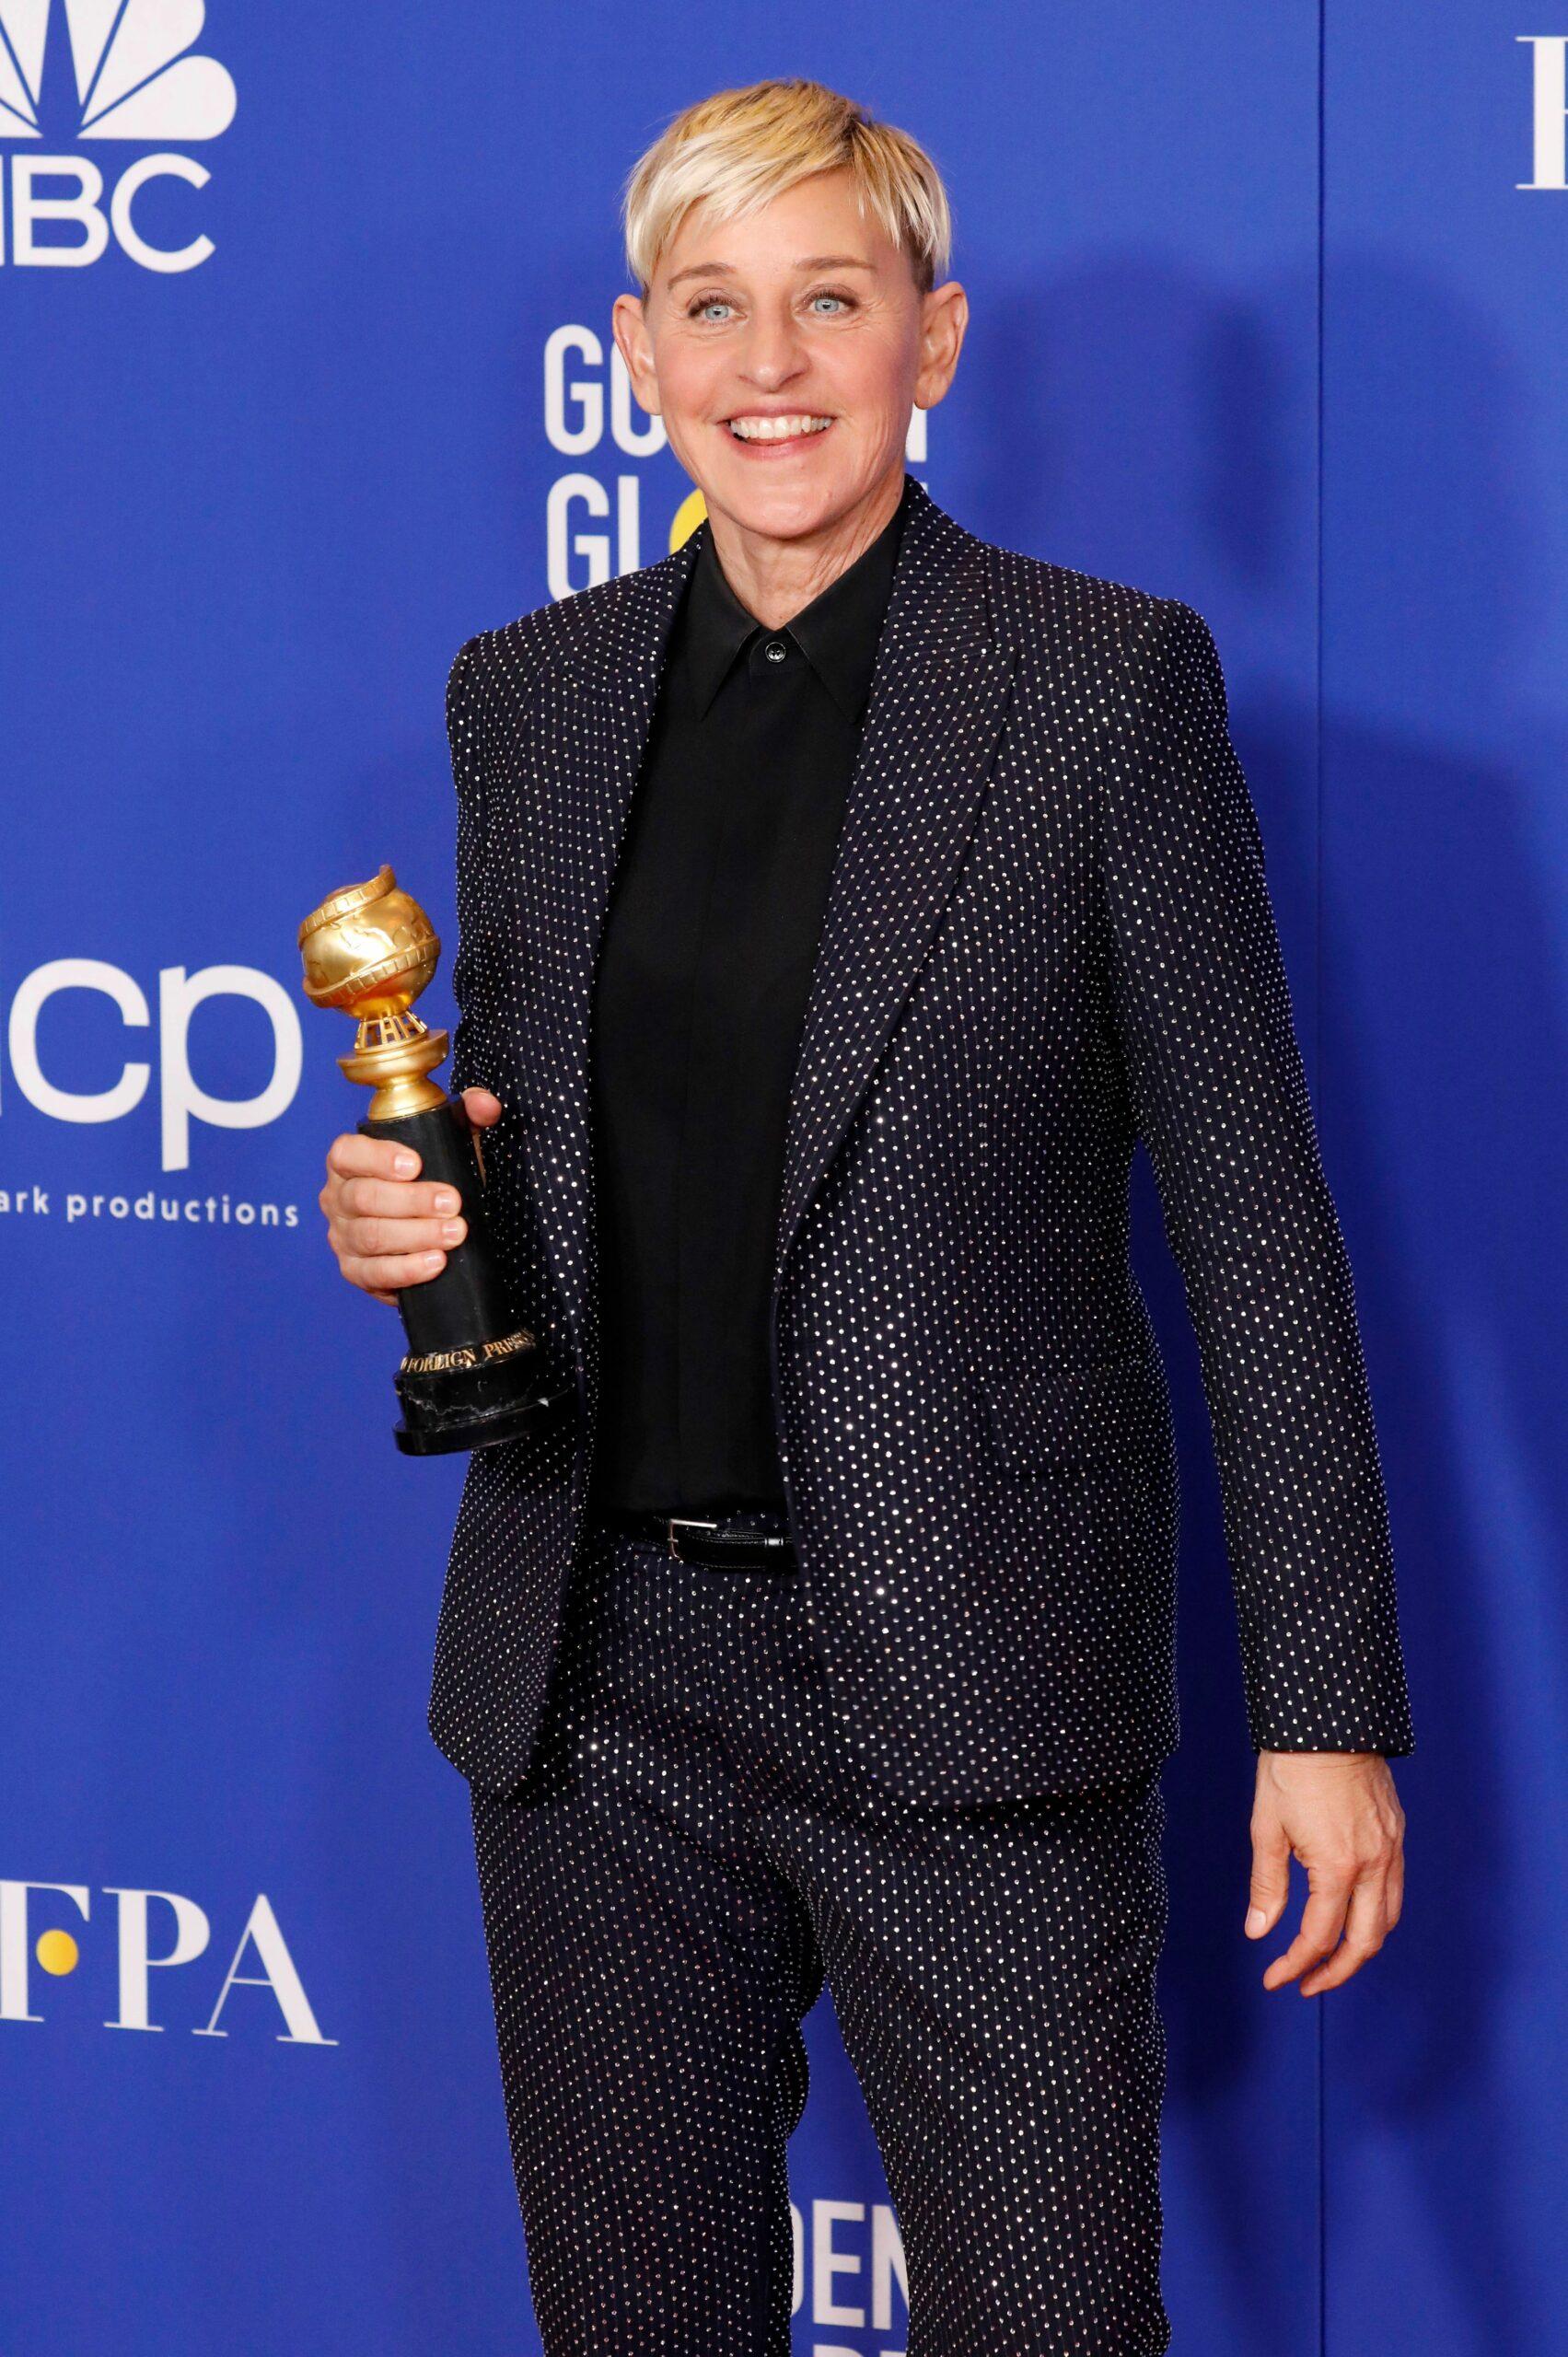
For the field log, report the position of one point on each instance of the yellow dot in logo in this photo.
(57, 1952)
(688, 515)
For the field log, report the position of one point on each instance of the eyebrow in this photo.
(809, 262)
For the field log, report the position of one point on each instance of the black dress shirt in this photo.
(700, 998)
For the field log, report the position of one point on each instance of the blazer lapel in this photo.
(604, 682)
(938, 697)
(938, 700)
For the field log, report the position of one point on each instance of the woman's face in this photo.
(804, 315)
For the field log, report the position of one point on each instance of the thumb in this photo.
(1271, 1878)
(483, 1108)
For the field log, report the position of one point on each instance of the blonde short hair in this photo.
(739, 149)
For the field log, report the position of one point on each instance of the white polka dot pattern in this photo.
(691, 1854)
(1048, 934)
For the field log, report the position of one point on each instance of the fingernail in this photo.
(434, 1260)
(406, 1165)
(453, 1231)
(1254, 1918)
(445, 1200)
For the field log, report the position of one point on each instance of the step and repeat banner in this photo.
(309, 376)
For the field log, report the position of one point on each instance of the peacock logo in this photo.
(130, 74)
(135, 76)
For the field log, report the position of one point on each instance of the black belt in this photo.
(714, 1545)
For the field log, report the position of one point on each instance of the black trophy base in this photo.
(472, 1377)
(470, 1407)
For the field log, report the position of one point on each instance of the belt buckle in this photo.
(687, 1522)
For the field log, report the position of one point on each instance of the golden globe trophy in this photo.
(469, 1378)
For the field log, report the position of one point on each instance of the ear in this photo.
(944, 316)
(635, 346)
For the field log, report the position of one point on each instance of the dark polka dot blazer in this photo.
(1049, 936)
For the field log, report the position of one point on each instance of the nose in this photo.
(774, 352)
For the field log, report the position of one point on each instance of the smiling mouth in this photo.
(799, 426)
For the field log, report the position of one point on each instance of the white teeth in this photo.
(775, 429)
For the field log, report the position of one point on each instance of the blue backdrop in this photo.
(309, 377)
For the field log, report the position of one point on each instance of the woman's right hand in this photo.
(389, 1227)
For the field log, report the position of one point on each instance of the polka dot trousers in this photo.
(689, 1856)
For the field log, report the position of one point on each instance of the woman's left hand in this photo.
(1339, 1813)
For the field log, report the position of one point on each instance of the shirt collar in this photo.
(837, 633)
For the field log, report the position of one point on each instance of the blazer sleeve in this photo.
(473, 969)
(1203, 1015)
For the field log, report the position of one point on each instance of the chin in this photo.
(784, 510)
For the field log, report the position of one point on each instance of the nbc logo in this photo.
(112, 70)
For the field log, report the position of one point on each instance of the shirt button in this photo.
(775, 650)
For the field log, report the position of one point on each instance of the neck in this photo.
(774, 580)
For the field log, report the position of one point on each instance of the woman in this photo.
(841, 898)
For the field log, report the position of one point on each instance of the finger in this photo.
(372, 1239)
(1323, 1921)
(483, 1107)
(392, 1272)
(353, 1156)
(394, 1198)
(1366, 1926)
(1271, 1876)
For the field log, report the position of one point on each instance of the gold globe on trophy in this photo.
(470, 1376)
(371, 950)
